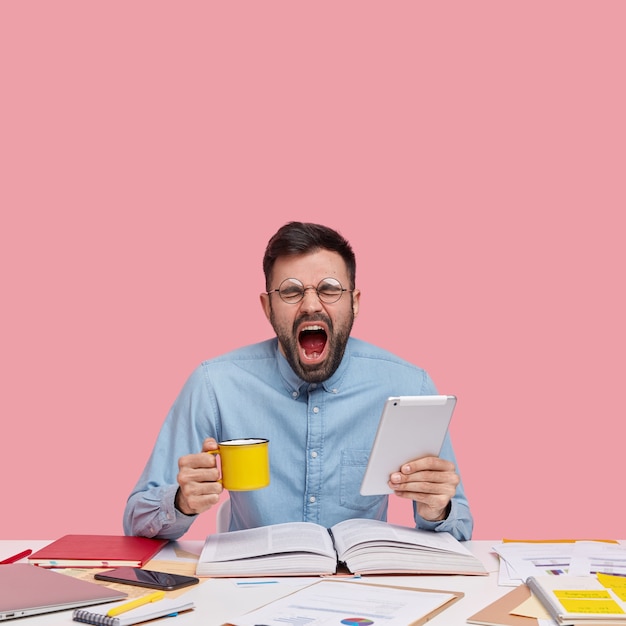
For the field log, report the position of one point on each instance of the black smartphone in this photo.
(146, 578)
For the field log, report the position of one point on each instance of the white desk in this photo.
(218, 600)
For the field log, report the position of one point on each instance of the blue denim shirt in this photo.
(320, 438)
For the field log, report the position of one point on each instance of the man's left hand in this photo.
(431, 482)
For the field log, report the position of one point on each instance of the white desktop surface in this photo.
(219, 599)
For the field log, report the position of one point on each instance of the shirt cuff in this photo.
(448, 524)
(174, 524)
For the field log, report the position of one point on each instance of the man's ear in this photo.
(356, 301)
(265, 304)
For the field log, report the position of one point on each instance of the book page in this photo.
(266, 540)
(356, 531)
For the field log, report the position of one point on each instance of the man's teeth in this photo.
(312, 328)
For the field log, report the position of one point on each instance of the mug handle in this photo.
(219, 480)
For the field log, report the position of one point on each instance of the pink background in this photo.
(473, 152)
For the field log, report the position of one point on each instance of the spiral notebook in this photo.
(98, 616)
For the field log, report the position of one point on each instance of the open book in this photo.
(362, 546)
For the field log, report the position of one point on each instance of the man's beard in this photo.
(337, 340)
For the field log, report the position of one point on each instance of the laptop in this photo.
(30, 590)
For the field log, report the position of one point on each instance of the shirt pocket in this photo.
(353, 464)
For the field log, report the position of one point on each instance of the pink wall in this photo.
(473, 152)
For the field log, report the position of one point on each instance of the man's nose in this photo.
(310, 300)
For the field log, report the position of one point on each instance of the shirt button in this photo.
(316, 409)
(313, 385)
(294, 394)
(312, 499)
(313, 454)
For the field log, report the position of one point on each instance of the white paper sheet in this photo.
(335, 602)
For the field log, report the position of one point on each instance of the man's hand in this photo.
(431, 482)
(197, 478)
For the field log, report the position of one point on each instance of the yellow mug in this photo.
(245, 464)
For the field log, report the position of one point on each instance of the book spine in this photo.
(80, 615)
(332, 538)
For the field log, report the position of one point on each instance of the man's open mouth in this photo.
(312, 340)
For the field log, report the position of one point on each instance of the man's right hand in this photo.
(198, 476)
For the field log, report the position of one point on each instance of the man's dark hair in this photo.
(303, 237)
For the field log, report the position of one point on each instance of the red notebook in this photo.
(97, 551)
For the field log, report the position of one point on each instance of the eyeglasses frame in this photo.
(305, 289)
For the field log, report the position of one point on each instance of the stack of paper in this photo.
(558, 583)
(521, 560)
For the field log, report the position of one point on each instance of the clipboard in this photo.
(346, 585)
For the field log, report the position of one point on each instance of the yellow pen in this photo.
(133, 604)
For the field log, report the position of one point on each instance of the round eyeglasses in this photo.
(292, 291)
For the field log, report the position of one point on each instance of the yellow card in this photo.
(616, 583)
(612, 582)
(603, 607)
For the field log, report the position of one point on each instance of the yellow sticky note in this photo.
(601, 607)
(612, 582)
(616, 583)
(581, 594)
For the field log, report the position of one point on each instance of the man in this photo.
(315, 392)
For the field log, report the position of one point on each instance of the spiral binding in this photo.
(80, 615)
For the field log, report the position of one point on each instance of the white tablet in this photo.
(410, 427)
